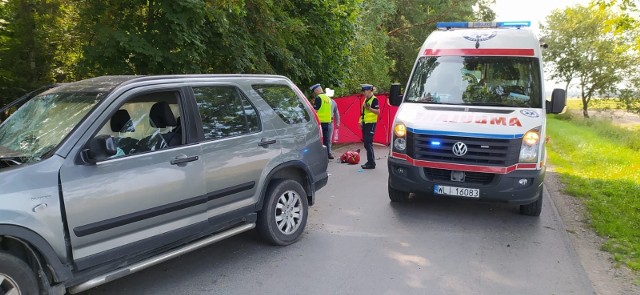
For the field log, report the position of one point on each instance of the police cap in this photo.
(312, 88)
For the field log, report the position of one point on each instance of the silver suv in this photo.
(107, 176)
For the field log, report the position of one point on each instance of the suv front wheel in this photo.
(284, 213)
(16, 277)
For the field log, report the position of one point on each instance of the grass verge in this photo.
(600, 163)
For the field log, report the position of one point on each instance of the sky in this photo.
(532, 10)
(535, 11)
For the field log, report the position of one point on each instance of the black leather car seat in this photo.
(161, 116)
(121, 123)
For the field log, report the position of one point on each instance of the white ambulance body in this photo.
(471, 123)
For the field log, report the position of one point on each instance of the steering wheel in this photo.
(515, 89)
(471, 78)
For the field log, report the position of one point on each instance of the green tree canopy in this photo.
(339, 43)
(415, 20)
(582, 47)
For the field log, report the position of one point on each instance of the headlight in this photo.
(530, 146)
(400, 130)
(532, 137)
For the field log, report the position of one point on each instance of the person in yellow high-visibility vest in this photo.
(368, 120)
(322, 104)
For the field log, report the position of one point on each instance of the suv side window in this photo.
(225, 112)
(284, 101)
(144, 123)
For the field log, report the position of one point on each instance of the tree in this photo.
(581, 46)
(34, 45)
(369, 62)
(415, 20)
(306, 40)
(141, 37)
(627, 25)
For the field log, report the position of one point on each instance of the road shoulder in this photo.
(599, 265)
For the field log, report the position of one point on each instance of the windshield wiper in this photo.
(489, 104)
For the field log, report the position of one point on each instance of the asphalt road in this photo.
(357, 242)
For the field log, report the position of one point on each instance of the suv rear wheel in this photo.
(284, 213)
(16, 277)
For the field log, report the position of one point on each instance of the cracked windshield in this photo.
(472, 80)
(41, 124)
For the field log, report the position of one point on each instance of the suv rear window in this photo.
(284, 101)
(225, 112)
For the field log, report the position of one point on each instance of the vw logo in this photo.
(459, 149)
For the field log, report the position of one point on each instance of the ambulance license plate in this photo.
(456, 191)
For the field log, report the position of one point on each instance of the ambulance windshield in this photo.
(477, 80)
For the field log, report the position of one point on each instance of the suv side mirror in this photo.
(99, 148)
(395, 98)
(558, 101)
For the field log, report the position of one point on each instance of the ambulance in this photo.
(471, 122)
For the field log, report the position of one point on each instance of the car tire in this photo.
(398, 196)
(284, 214)
(16, 277)
(533, 209)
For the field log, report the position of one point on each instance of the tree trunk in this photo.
(585, 103)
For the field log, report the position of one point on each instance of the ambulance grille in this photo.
(469, 177)
(480, 151)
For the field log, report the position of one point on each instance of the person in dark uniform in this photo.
(322, 105)
(368, 120)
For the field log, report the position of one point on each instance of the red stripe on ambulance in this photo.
(480, 52)
(463, 167)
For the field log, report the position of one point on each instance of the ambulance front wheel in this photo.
(398, 196)
(533, 209)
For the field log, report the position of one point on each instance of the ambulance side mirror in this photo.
(395, 98)
(558, 101)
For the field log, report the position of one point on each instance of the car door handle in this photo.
(183, 159)
(266, 142)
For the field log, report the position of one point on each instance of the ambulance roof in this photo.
(482, 42)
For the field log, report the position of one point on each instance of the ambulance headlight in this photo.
(532, 137)
(400, 130)
(530, 146)
(400, 144)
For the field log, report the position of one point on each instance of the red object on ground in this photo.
(351, 157)
(350, 107)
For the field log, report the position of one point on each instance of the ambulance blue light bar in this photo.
(512, 24)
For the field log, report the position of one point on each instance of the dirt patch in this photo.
(618, 117)
(606, 277)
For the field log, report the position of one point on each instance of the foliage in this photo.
(339, 43)
(307, 41)
(582, 47)
(630, 95)
(414, 20)
(36, 47)
(626, 22)
(369, 61)
(141, 37)
(600, 163)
